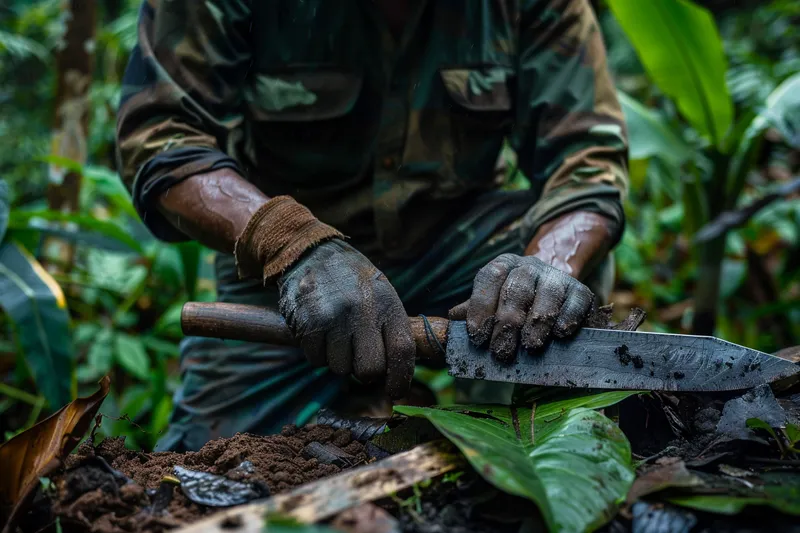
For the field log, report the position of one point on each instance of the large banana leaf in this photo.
(680, 47)
(780, 111)
(24, 220)
(572, 461)
(37, 309)
(651, 136)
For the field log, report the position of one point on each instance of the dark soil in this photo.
(109, 488)
(467, 505)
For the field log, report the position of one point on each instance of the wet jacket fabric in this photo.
(386, 138)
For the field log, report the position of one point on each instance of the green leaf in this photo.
(680, 47)
(85, 332)
(5, 207)
(28, 220)
(651, 136)
(130, 354)
(169, 323)
(757, 423)
(575, 464)
(86, 238)
(782, 112)
(101, 354)
(734, 272)
(190, 263)
(160, 417)
(136, 400)
(108, 184)
(781, 491)
(160, 345)
(36, 306)
(21, 47)
(793, 434)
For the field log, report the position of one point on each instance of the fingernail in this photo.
(536, 336)
(481, 334)
(562, 330)
(504, 345)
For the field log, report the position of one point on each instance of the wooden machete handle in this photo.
(259, 324)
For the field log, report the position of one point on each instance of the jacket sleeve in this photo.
(181, 98)
(570, 136)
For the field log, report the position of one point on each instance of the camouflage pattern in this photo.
(393, 141)
(385, 139)
(230, 387)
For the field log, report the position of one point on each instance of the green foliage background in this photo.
(124, 290)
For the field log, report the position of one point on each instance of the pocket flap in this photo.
(478, 89)
(304, 95)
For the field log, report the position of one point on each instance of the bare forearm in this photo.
(212, 208)
(574, 243)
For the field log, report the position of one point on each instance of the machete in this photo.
(593, 358)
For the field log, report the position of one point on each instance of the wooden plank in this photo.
(327, 497)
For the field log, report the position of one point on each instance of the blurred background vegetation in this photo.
(711, 93)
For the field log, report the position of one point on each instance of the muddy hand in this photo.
(517, 298)
(347, 316)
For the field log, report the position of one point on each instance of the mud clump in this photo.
(624, 354)
(110, 489)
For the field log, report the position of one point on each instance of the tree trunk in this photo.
(74, 70)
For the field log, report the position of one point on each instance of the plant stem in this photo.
(706, 298)
(35, 412)
(18, 394)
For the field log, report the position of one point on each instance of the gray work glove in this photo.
(347, 316)
(522, 298)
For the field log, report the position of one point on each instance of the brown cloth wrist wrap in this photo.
(276, 236)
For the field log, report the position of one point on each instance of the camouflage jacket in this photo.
(387, 138)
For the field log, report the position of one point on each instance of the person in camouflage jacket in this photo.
(342, 159)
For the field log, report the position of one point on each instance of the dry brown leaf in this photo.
(39, 450)
(668, 472)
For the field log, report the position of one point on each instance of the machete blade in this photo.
(625, 360)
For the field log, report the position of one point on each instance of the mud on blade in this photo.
(626, 360)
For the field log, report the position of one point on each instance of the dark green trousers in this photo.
(230, 387)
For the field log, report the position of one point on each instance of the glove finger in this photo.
(516, 298)
(485, 296)
(314, 348)
(369, 354)
(400, 357)
(339, 348)
(577, 304)
(551, 290)
(459, 312)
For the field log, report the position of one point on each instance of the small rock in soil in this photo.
(756, 403)
(217, 491)
(361, 429)
(328, 454)
(705, 421)
(241, 472)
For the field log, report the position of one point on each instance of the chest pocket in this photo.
(310, 125)
(480, 116)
